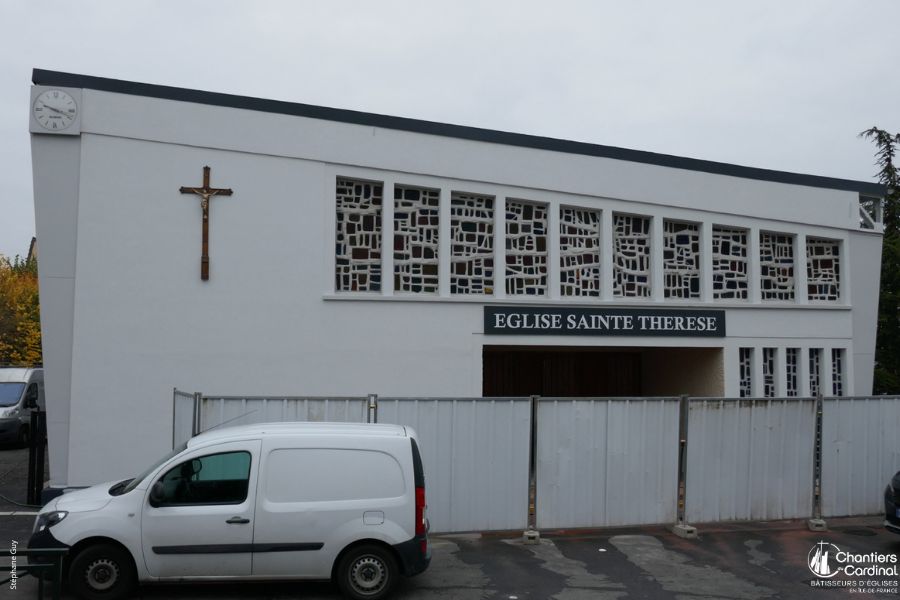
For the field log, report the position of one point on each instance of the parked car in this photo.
(21, 391)
(892, 504)
(335, 501)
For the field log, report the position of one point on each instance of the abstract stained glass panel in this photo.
(472, 244)
(730, 263)
(791, 375)
(416, 226)
(776, 266)
(745, 358)
(631, 256)
(526, 248)
(579, 252)
(768, 365)
(358, 236)
(815, 371)
(837, 371)
(681, 259)
(823, 269)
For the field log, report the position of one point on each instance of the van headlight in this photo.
(48, 519)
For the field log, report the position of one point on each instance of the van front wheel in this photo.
(102, 572)
(367, 573)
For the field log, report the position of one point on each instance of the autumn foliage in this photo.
(20, 315)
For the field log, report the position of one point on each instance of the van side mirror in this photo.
(31, 397)
(157, 494)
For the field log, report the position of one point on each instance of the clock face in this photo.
(55, 110)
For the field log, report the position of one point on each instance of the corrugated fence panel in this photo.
(606, 462)
(182, 417)
(750, 459)
(861, 452)
(475, 454)
(232, 410)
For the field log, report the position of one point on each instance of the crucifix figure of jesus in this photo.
(205, 194)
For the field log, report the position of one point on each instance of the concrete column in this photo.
(826, 383)
(803, 372)
(706, 262)
(387, 239)
(657, 278)
(757, 370)
(849, 372)
(553, 274)
(444, 239)
(606, 254)
(801, 293)
(781, 372)
(500, 247)
(754, 270)
(844, 279)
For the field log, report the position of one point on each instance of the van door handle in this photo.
(237, 520)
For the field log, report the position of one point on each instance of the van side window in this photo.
(213, 479)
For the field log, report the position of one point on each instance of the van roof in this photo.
(300, 428)
(14, 374)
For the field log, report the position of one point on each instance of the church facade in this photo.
(242, 246)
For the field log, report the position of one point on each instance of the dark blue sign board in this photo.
(556, 320)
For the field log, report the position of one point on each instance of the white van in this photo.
(21, 391)
(273, 501)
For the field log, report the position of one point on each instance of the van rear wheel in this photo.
(102, 572)
(367, 573)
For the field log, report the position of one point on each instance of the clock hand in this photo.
(56, 110)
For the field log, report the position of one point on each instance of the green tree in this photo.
(887, 346)
(20, 313)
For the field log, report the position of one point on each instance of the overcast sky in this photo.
(780, 84)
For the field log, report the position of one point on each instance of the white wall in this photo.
(138, 321)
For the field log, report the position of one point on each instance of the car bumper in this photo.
(9, 430)
(891, 511)
(412, 560)
(40, 540)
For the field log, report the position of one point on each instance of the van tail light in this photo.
(420, 511)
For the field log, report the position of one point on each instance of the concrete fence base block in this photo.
(531, 537)
(685, 531)
(817, 525)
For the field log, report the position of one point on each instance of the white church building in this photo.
(238, 245)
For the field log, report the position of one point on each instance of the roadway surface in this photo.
(740, 561)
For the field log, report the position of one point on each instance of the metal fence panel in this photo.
(750, 459)
(861, 452)
(182, 417)
(232, 410)
(475, 454)
(606, 462)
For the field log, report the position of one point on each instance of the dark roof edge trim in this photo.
(44, 77)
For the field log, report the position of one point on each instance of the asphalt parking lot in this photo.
(741, 561)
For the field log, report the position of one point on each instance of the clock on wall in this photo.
(55, 110)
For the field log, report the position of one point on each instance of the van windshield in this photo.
(134, 482)
(10, 392)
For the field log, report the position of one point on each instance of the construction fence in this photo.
(552, 463)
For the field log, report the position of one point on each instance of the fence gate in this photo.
(604, 462)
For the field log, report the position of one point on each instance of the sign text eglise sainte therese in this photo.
(534, 320)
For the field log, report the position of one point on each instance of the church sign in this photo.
(533, 320)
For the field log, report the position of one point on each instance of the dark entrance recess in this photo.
(560, 371)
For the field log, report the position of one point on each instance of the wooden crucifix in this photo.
(205, 194)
